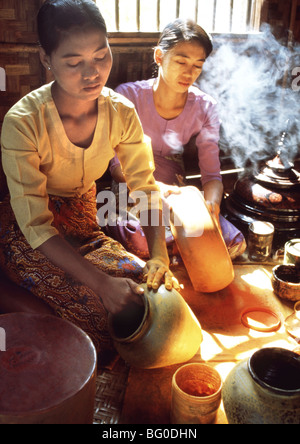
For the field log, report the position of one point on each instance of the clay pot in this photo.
(264, 389)
(161, 332)
(200, 241)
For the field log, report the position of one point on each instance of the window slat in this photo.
(213, 15)
(158, 15)
(178, 9)
(138, 14)
(117, 7)
(249, 13)
(231, 14)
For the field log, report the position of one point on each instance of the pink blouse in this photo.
(198, 119)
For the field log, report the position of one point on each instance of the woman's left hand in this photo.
(157, 271)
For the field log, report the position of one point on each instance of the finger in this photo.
(168, 281)
(173, 190)
(150, 276)
(171, 282)
(137, 291)
(176, 284)
(158, 277)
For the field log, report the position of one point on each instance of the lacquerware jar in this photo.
(264, 389)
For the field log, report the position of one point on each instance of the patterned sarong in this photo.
(75, 218)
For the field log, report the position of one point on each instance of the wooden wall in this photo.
(18, 50)
(296, 17)
(133, 57)
(282, 15)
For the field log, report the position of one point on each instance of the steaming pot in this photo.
(272, 195)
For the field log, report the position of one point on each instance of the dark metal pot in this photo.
(272, 195)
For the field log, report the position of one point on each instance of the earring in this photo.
(49, 68)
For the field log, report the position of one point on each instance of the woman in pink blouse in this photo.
(173, 111)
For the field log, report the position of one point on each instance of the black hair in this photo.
(181, 31)
(56, 17)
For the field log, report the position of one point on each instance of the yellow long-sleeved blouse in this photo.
(39, 159)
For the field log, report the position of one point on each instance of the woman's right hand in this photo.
(117, 293)
(167, 190)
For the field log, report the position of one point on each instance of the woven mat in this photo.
(110, 391)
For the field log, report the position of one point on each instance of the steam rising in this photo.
(252, 82)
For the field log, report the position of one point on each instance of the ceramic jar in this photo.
(161, 332)
(264, 389)
(286, 282)
(196, 394)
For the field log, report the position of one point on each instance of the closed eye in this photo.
(74, 66)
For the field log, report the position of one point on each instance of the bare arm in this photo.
(117, 174)
(157, 268)
(213, 194)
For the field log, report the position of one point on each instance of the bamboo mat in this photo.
(110, 391)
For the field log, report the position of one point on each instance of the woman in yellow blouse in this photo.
(56, 142)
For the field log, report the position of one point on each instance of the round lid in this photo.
(261, 319)
(47, 361)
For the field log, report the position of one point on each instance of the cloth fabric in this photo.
(234, 238)
(74, 218)
(39, 159)
(198, 119)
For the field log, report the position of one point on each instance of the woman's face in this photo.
(181, 66)
(81, 64)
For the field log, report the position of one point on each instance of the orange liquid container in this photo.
(200, 241)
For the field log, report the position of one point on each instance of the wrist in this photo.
(162, 258)
(213, 206)
(98, 281)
